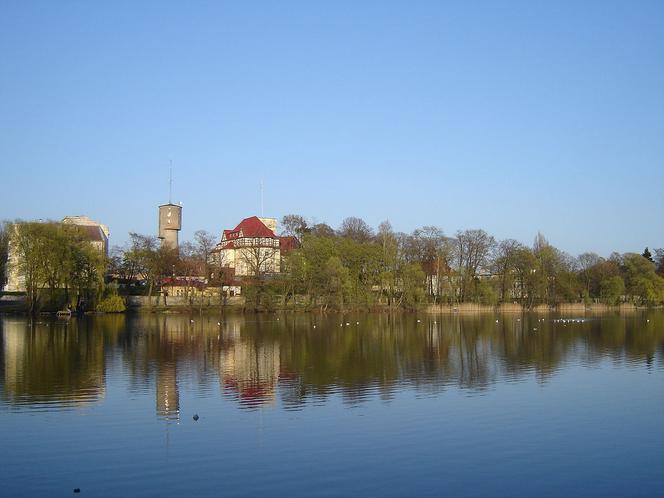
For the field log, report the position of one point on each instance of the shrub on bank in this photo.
(111, 304)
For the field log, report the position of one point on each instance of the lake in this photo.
(333, 405)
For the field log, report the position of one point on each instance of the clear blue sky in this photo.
(515, 117)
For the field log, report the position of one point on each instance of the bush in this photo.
(111, 304)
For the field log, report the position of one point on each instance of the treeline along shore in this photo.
(353, 267)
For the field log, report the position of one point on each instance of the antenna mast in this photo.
(170, 182)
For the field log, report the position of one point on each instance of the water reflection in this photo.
(266, 360)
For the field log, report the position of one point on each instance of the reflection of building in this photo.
(252, 371)
(252, 248)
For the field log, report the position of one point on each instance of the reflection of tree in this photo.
(43, 362)
(258, 359)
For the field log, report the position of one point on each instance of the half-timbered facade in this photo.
(252, 248)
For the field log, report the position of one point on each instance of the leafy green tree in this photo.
(4, 252)
(413, 285)
(54, 258)
(612, 288)
(641, 280)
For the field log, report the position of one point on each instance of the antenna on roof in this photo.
(170, 182)
(262, 198)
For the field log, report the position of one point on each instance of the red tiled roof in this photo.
(288, 243)
(180, 282)
(253, 227)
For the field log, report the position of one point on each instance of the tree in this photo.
(641, 280)
(4, 252)
(356, 229)
(472, 251)
(646, 254)
(412, 282)
(56, 257)
(612, 289)
(390, 261)
(322, 230)
(587, 262)
(294, 225)
(151, 260)
(659, 260)
(259, 260)
(28, 241)
(432, 250)
(505, 265)
(205, 242)
(337, 282)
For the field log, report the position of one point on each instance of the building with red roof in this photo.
(252, 248)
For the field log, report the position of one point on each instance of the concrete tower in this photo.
(170, 223)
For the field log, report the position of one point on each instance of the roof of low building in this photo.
(288, 243)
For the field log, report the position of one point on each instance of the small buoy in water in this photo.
(195, 416)
(347, 324)
(418, 321)
(77, 490)
(219, 323)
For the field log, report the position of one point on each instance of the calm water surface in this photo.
(304, 405)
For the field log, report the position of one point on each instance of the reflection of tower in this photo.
(170, 223)
(168, 398)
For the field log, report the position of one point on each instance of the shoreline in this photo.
(446, 309)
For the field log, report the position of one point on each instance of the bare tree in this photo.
(205, 242)
(259, 260)
(473, 248)
(505, 264)
(295, 225)
(356, 229)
